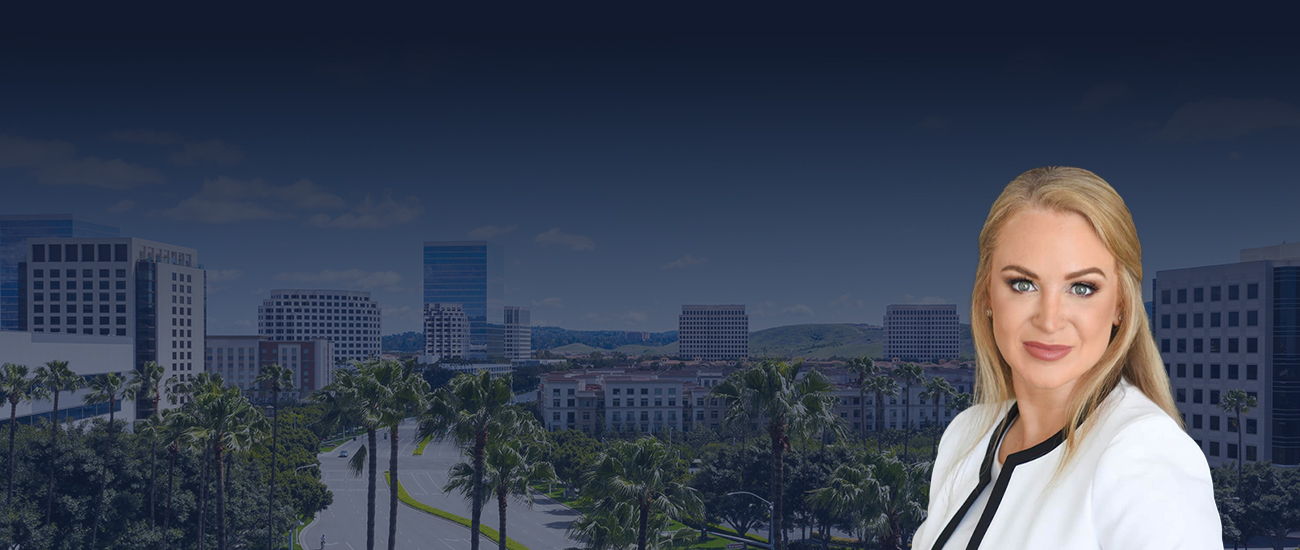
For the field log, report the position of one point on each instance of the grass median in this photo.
(490, 532)
(419, 447)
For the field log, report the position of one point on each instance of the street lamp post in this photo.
(771, 515)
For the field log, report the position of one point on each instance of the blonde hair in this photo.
(1132, 351)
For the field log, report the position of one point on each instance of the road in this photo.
(344, 522)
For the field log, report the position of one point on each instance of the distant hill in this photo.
(406, 341)
(555, 337)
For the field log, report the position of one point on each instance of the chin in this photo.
(1047, 376)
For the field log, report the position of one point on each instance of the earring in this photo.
(988, 312)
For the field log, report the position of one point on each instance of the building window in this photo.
(1232, 450)
(1215, 345)
(1252, 291)
(1234, 345)
(1214, 293)
(1196, 421)
(1182, 295)
(1197, 370)
(1198, 295)
(1182, 395)
(1164, 345)
(1182, 370)
(1252, 318)
(1250, 452)
(1164, 321)
(1232, 372)
(1182, 345)
(1164, 296)
(1252, 345)
(1214, 371)
(1252, 372)
(1214, 422)
(1198, 396)
(1182, 320)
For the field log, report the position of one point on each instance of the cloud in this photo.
(21, 152)
(846, 301)
(683, 262)
(228, 200)
(488, 231)
(1222, 119)
(122, 206)
(109, 174)
(910, 299)
(798, 310)
(371, 215)
(365, 280)
(224, 275)
(555, 236)
(933, 123)
(145, 135)
(553, 301)
(213, 152)
(632, 317)
(1102, 95)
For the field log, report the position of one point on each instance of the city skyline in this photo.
(814, 181)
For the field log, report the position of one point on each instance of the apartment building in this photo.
(713, 333)
(921, 332)
(347, 318)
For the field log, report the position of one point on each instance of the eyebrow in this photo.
(1074, 275)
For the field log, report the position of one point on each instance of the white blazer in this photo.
(1137, 482)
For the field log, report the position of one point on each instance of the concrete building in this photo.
(713, 333)
(14, 232)
(347, 318)
(472, 274)
(148, 291)
(239, 360)
(921, 332)
(86, 355)
(1235, 326)
(446, 330)
(519, 333)
(234, 358)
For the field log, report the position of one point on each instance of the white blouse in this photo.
(1137, 481)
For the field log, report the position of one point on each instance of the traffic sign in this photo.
(735, 546)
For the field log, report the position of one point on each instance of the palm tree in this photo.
(146, 382)
(911, 373)
(171, 428)
(405, 392)
(355, 397)
(17, 388)
(643, 474)
(465, 410)
(106, 387)
(1238, 402)
(513, 461)
(790, 404)
(55, 377)
(937, 388)
(276, 378)
(882, 385)
(883, 495)
(224, 419)
(865, 368)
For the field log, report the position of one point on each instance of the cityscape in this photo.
(595, 293)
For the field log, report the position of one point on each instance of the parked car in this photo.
(343, 453)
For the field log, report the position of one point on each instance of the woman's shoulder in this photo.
(1135, 432)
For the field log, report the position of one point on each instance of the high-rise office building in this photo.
(519, 333)
(148, 291)
(1235, 327)
(713, 333)
(345, 317)
(472, 274)
(446, 330)
(921, 332)
(14, 232)
(239, 360)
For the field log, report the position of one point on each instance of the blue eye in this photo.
(1016, 286)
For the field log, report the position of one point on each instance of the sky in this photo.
(814, 178)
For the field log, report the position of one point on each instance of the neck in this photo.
(1043, 412)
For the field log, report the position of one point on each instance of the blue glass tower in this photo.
(472, 274)
(14, 232)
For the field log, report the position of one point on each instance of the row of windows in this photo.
(1198, 294)
(1252, 426)
(102, 331)
(1198, 319)
(79, 253)
(1198, 345)
(72, 308)
(72, 296)
(72, 273)
(1198, 396)
(1252, 371)
(40, 320)
(72, 285)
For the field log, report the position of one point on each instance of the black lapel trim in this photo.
(986, 474)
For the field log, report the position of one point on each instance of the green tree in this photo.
(106, 387)
(465, 411)
(732, 469)
(881, 385)
(641, 474)
(865, 368)
(276, 379)
(1238, 402)
(938, 389)
(17, 388)
(54, 378)
(355, 397)
(883, 495)
(405, 392)
(790, 403)
(224, 419)
(147, 382)
(911, 373)
(513, 461)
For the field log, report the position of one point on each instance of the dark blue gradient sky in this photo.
(814, 178)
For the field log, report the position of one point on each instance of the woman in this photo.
(1075, 441)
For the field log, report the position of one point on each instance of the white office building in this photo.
(519, 334)
(921, 332)
(87, 355)
(713, 333)
(1235, 327)
(446, 330)
(347, 318)
(148, 291)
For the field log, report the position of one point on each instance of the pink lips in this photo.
(1046, 352)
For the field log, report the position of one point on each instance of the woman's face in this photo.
(1053, 284)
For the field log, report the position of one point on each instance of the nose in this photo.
(1048, 318)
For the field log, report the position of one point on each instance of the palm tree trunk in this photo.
(501, 513)
(644, 527)
(153, 466)
(221, 498)
(103, 474)
(13, 414)
(392, 489)
(476, 514)
(54, 455)
(1241, 451)
(777, 433)
(203, 495)
(370, 494)
(880, 420)
(907, 421)
(171, 468)
(275, 436)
